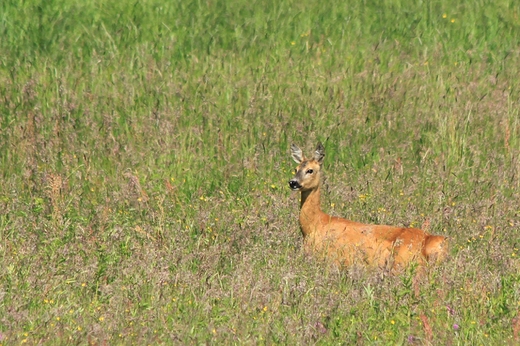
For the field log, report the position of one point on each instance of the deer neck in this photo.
(310, 211)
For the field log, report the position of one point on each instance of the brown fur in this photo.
(347, 242)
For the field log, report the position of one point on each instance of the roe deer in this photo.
(347, 242)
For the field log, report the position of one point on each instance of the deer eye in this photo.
(309, 171)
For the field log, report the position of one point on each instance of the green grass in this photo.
(144, 160)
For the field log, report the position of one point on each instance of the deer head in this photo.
(307, 175)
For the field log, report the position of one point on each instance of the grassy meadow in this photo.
(144, 160)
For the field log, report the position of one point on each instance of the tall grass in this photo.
(144, 159)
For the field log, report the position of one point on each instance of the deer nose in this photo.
(294, 185)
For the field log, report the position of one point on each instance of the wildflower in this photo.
(451, 311)
(411, 339)
(444, 15)
(453, 21)
(456, 327)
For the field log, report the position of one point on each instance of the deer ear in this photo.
(296, 153)
(319, 154)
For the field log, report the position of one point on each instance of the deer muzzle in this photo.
(294, 185)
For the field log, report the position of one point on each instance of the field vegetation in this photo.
(144, 160)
